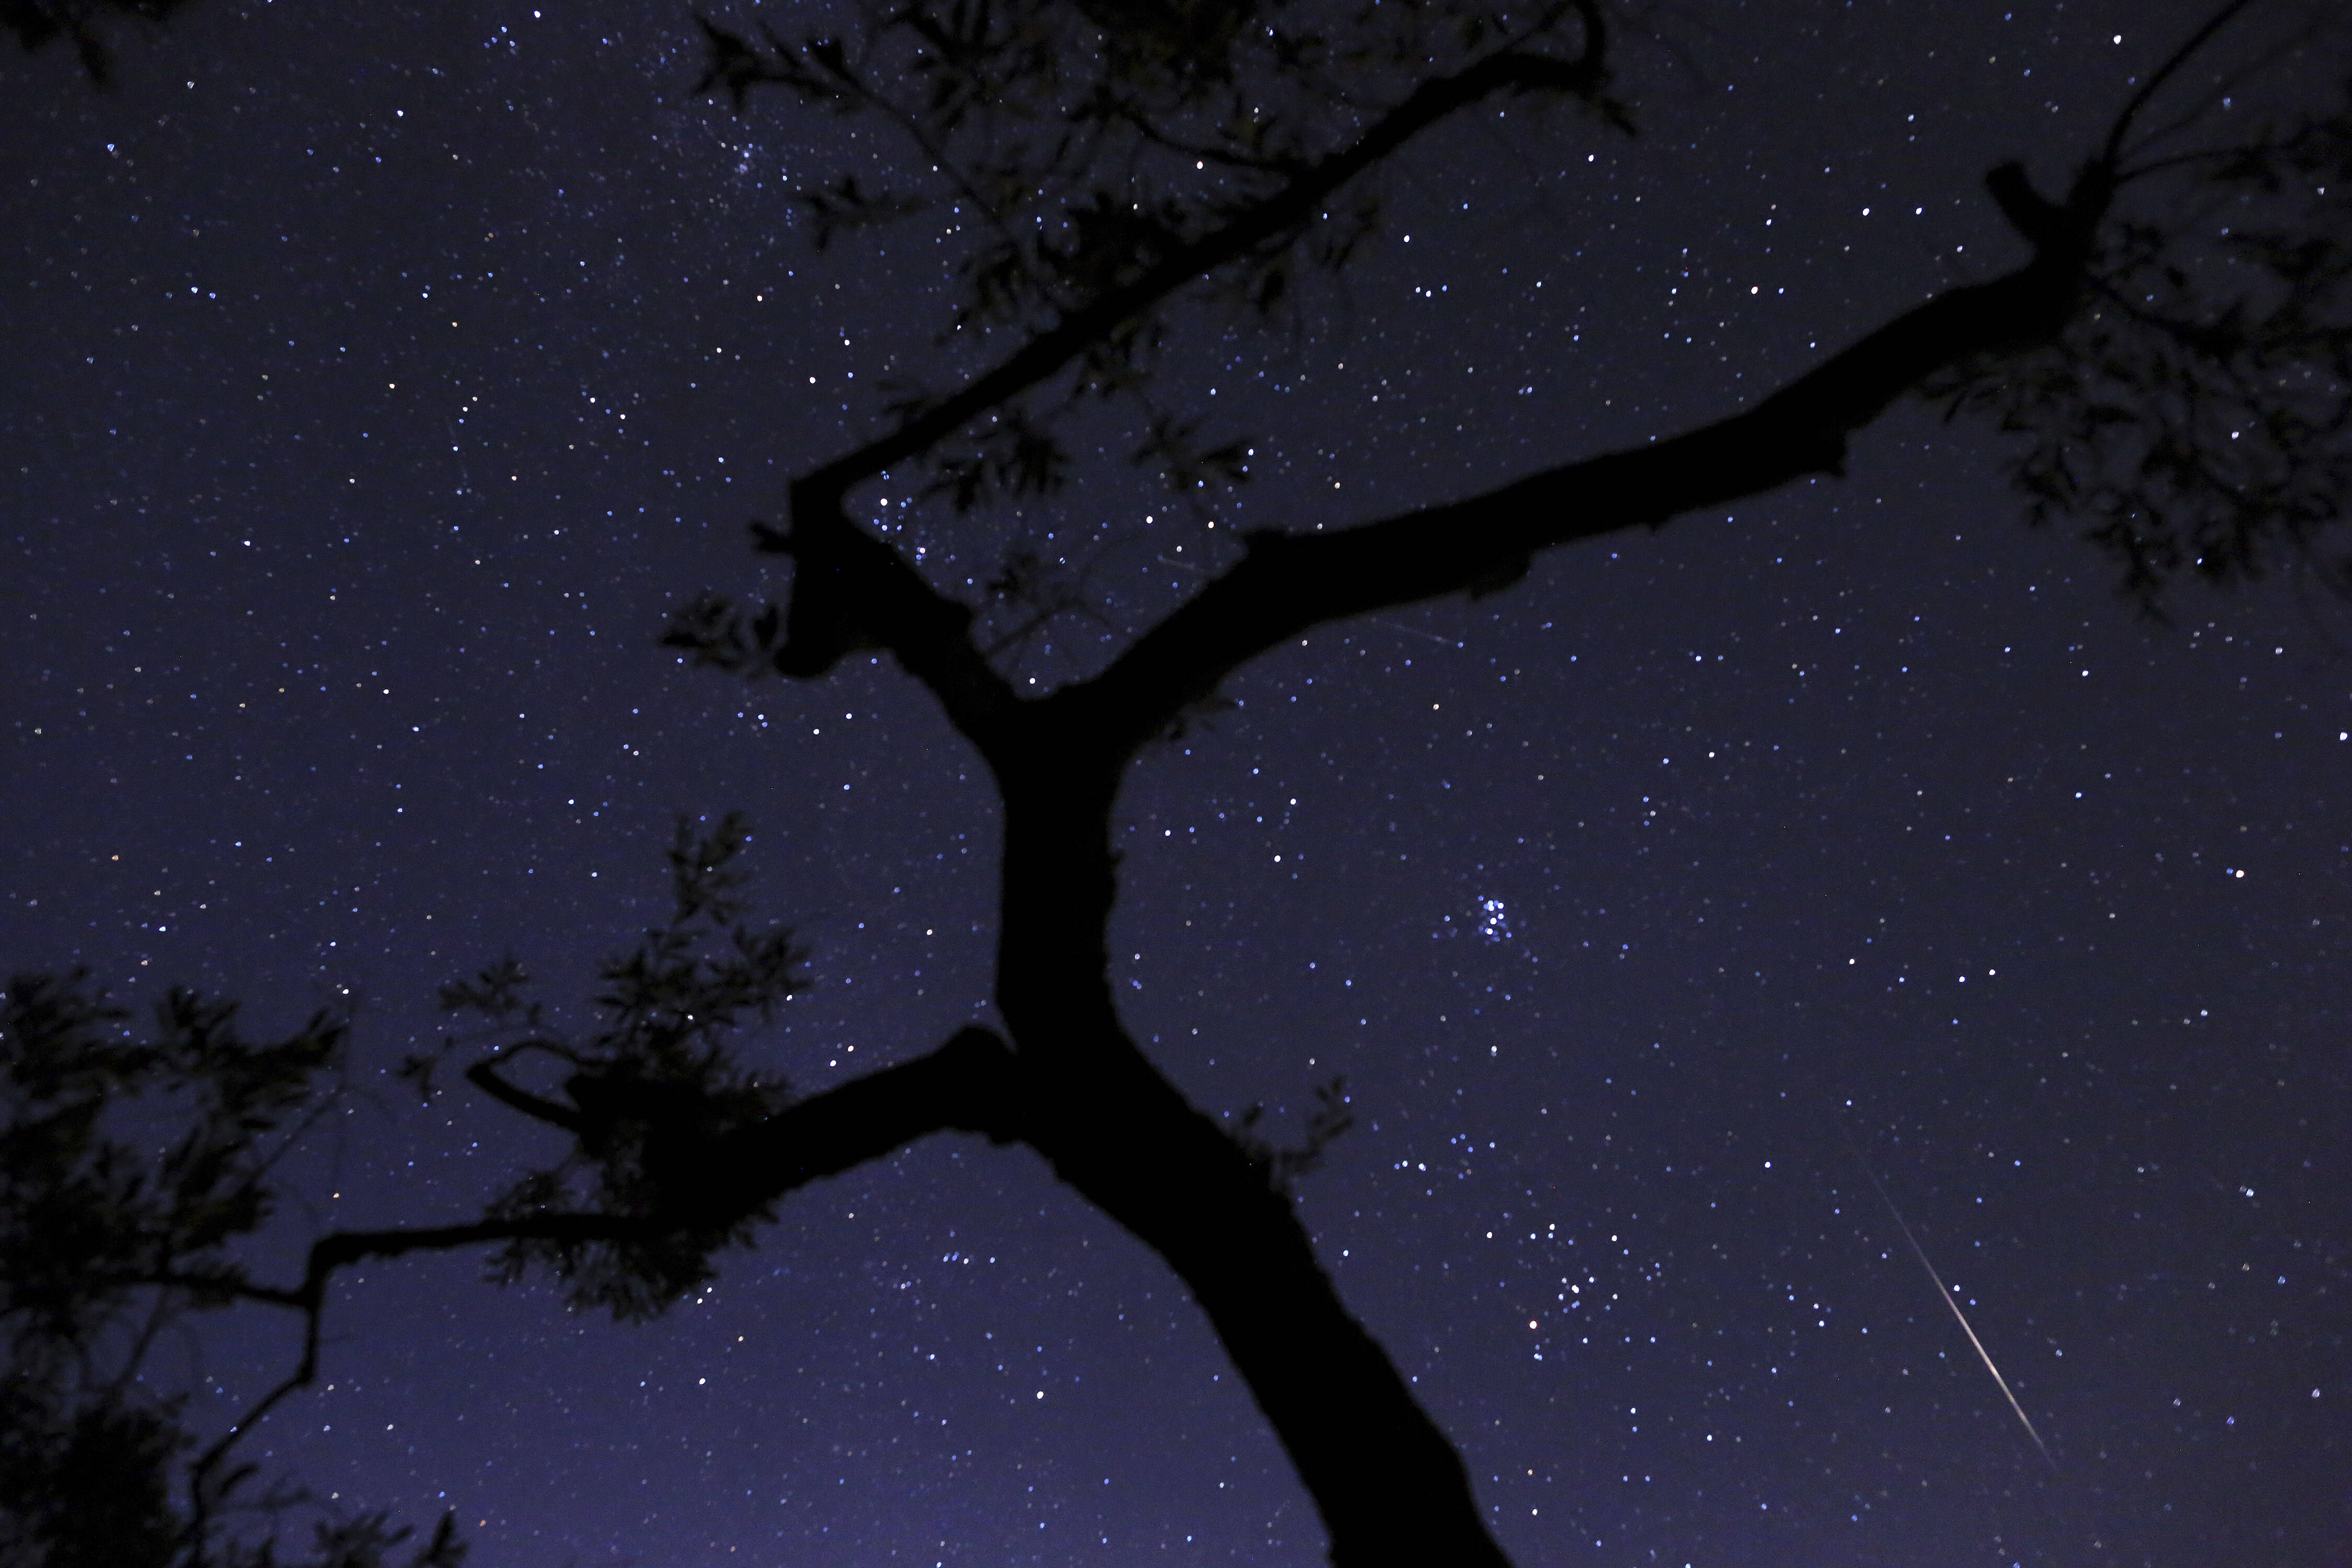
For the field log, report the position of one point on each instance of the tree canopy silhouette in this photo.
(2172, 356)
(81, 24)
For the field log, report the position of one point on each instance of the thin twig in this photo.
(2112, 153)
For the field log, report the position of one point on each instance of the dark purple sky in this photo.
(379, 377)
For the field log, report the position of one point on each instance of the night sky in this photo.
(377, 379)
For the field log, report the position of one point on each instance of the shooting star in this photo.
(1953, 1303)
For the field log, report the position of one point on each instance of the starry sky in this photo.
(379, 377)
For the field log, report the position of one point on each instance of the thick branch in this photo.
(852, 591)
(1289, 582)
(967, 1085)
(1388, 1485)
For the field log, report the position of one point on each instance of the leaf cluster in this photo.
(2196, 416)
(1072, 149)
(131, 1162)
(85, 1483)
(80, 22)
(653, 1084)
(1283, 1164)
(714, 633)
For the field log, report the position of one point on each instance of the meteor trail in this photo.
(1950, 1301)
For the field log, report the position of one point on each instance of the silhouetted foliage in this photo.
(2197, 415)
(2172, 353)
(656, 1083)
(1099, 155)
(86, 1485)
(83, 25)
(132, 1164)
(92, 1213)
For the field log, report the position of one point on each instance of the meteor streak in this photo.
(1953, 1303)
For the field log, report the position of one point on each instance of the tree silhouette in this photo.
(2174, 353)
(82, 24)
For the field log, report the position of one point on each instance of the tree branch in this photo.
(1295, 203)
(484, 1077)
(329, 1253)
(852, 591)
(2112, 153)
(1289, 582)
(967, 1085)
(1387, 1483)
(236, 1288)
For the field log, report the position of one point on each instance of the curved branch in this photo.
(1295, 203)
(1388, 1485)
(2112, 153)
(484, 1077)
(966, 1085)
(852, 591)
(1289, 582)
(329, 1253)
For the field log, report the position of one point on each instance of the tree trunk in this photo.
(1388, 1484)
